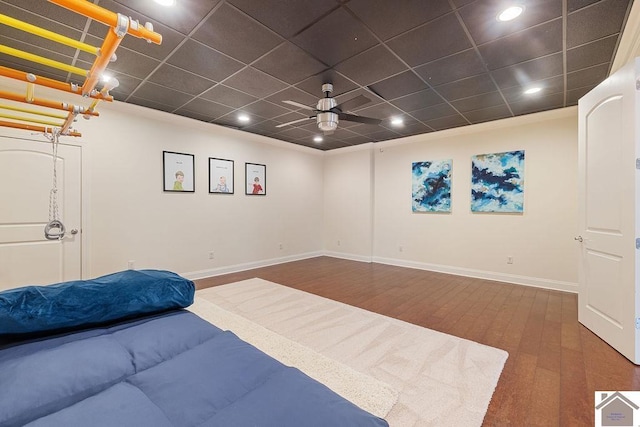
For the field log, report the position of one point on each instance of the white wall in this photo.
(131, 218)
(540, 240)
(348, 203)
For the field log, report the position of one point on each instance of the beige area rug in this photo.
(441, 379)
(366, 392)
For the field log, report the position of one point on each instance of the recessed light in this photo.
(510, 13)
(166, 3)
(532, 90)
(317, 139)
(397, 121)
(243, 118)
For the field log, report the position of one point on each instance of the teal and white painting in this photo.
(497, 182)
(431, 186)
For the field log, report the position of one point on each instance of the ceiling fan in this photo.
(328, 111)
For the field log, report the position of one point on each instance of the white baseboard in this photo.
(458, 271)
(351, 257)
(202, 274)
(481, 274)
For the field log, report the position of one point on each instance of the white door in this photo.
(26, 256)
(607, 299)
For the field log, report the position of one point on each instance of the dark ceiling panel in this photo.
(371, 66)
(482, 83)
(286, 17)
(211, 110)
(451, 68)
(335, 38)
(289, 63)
(412, 55)
(204, 61)
(399, 85)
(539, 103)
(530, 71)
(596, 21)
(447, 122)
(234, 33)
(265, 109)
(587, 77)
(164, 96)
(591, 54)
(478, 102)
(175, 78)
(532, 43)
(418, 100)
(431, 113)
(255, 83)
(432, 41)
(573, 5)
(487, 114)
(386, 19)
(228, 96)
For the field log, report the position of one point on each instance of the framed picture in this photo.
(255, 177)
(431, 186)
(220, 176)
(178, 172)
(497, 182)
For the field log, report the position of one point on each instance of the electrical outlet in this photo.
(131, 264)
(400, 248)
(509, 260)
(281, 246)
(212, 255)
(338, 242)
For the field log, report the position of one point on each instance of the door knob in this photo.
(74, 231)
(579, 238)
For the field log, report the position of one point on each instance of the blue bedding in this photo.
(168, 369)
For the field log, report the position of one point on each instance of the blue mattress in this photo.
(168, 369)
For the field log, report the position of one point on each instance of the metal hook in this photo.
(50, 233)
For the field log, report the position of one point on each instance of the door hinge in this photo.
(637, 243)
(638, 84)
(637, 163)
(637, 322)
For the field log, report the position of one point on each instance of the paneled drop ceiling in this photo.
(437, 64)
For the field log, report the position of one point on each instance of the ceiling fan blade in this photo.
(359, 119)
(294, 122)
(297, 104)
(352, 103)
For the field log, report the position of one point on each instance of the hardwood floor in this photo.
(555, 364)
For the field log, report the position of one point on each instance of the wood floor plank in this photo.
(555, 364)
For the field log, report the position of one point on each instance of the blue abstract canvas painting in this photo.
(497, 182)
(431, 186)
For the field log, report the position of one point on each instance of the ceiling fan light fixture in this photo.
(327, 122)
(510, 13)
